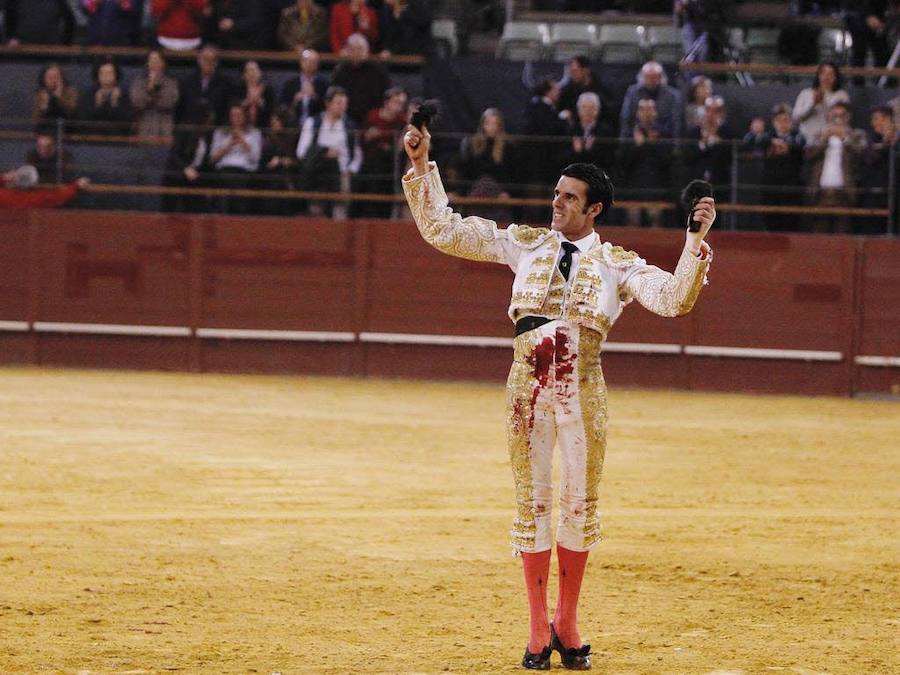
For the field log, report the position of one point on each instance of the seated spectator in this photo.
(52, 165)
(154, 96)
(652, 83)
(329, 151)
(204, 90)
(579, 79)
(303, 25)
(869, 26)
(115, 23)
(364, 81)
(834, 161)
(238, 24)
(781, 150)
(405, 27)
(279, 160)
(235, 155)
(179, 23)
(44, 22)
(706, 156)
(701, 89)
(256, 95)
(542, 120)
(380, 144)
(880, 150)
(645, 165)
(106, 108)
(305, 95)
(488, 163)
(349, 17)
(589, 132)
(814, 102)
(55, 98)
(188, 165)
(18, 191)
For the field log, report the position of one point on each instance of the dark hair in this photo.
(838, 78)
(391, 92)
(599, 185)
(780, 108)
(95, 72)
(841, 104)
(886, 110)
(333, 91)
(581, 60)
(52, 64)
(542, 87)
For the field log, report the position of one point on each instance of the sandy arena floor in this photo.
(211, 524)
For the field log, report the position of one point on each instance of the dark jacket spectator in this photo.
(364, 81)
(55, 98)
(52, 165)
(179, 23)
(238, 24)
(303, 25)
(706, 154)
(305, 94)
(645, 165)
(405, 27)
(204, 90)
(579, 79)
(154, 96)
(542, 120)
(488, 164)
(867, 22)
(113, 22)
(349, 17)
(256, 95)
(188, 165)
(106, 107)
(279, 160)
(39, 22)
(652, 83)
(589, 132)
(382, 128)
(701, 88)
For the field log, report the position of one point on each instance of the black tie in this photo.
(565, 263)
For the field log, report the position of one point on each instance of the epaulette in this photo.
(528, 237)
(616, 256)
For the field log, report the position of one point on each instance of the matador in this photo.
(569, 289)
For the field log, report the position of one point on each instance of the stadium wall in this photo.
(805, 314)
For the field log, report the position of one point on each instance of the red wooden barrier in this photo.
(786, 313)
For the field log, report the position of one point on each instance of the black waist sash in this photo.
(527, 323)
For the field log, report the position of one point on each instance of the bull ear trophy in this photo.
(693, 193)
(424, 114)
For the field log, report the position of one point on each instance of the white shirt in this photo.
(584, 245)
(333, 136)
(833, 168)
(237, 157)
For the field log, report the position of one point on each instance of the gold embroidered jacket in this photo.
(607, 277)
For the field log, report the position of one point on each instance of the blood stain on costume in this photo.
(541, 359)
(540, 508)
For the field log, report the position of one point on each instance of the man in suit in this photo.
(305, 94)
(203, 91)
(569, 289)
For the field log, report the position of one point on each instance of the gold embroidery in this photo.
(518, 421)
(592, 397)
(538, 278)
(527, 236)
(668, 294)
(617, 254)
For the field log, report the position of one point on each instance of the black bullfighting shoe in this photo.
(539, 661)
(573, 658)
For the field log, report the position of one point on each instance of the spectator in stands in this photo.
(238, 24)
(179, 23)
(303, 25)
(279, 160)
(114, 23)
(834, 157)
(154, 96)
(781, 150)
(542, 120)
(256, 95)
(55, 98)
(579, 79)
(814, 102)
(880, 150)
(364, 81)
(488, 163)
(380, 143)
(652, 83)
(867, 23)
(305, 94)
(18, 191)
(706, 156)
(589, 132)
(47, 22)
(405, 27)
(645, 165)
(235, 155)
(106, 107)
(700, 89)
(204, 90)
(329, 151)
(52, 165)
(349, 17)
(188, 165)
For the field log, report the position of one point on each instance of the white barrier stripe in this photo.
(287, 335)
(755, 353)
(642, 347)
(878, 361)
(15, 326)
(111, 329)
(443, 340)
